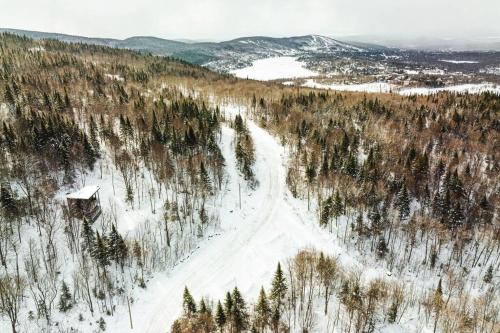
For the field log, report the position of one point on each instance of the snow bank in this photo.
(274, 68)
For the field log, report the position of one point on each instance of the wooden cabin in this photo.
(85, 203)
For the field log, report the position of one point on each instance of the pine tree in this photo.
(239, 126)
(228, 308)
(403, 202)
(88, 236)
(351, 166)
(114, 244)
(220, 317)
(262, 311)
(203, 307)
(239, 313)
(90, 153)
(101, 252)
(206, 183)
(122, 251)
(278, 292)
(65, 300)
(155, 129)
(337, 207)
(326, 211)
(188, 304)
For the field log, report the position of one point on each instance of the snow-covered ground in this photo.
(472, 88)
(274, 68)
(384, 87)
(374, 87)
(459, 61)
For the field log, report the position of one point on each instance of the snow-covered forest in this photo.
(229, 205)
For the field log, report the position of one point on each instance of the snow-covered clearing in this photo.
(472, 88)
(384, 87)
(273, 69)
(374, 87)
(459, 61)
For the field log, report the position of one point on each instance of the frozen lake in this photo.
(274, 68)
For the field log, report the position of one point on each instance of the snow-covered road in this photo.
(271, 226)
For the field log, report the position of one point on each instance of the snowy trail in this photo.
(271, 226)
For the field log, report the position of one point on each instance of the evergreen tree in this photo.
(239, 126)
(90, 153)
(351, 165)
(65, 300)
(278, 292)
(188, 304)
(88, 236)
(239, 313)
(262, 311)
(203, 307)
(220, 317)
(403, 202)
(206, 183)
(114, 244)
(337, 206)
(101, 252)
(228, 307)
(122, 251)
(326, 211)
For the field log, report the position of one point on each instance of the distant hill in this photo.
(218, 55)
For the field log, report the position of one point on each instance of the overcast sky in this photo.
(225, 19)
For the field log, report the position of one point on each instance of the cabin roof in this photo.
(84, 193)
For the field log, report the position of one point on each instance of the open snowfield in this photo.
(373, 87)
(273, 69)
(459, 61)
(473, 88)
(384, 87)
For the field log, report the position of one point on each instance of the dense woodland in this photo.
(408, 183)
(74, 114)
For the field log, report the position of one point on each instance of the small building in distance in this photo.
(85, 203)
